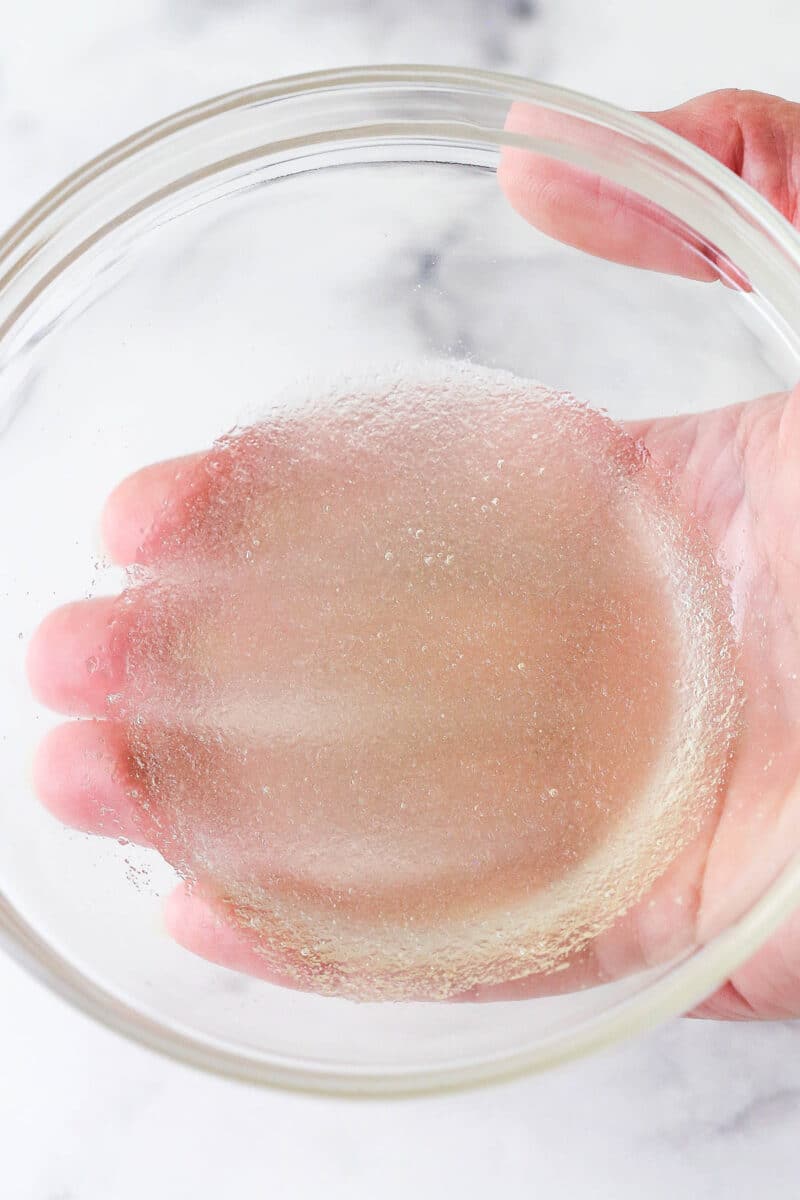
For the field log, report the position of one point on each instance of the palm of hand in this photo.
(737, 470)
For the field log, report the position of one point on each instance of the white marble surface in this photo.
(694, 1109)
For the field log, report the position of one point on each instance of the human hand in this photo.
(738, 470)
(733, 469)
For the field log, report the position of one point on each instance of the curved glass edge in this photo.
(498, 85)
(167, 156)
(677, 992)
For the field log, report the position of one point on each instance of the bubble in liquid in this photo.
(404, 782)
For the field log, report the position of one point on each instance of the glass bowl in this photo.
(277, 238)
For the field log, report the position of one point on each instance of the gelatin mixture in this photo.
(427, 682)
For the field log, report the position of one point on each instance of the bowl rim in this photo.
(684, 984)
(475, 80)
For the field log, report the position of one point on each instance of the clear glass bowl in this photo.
(289, 231)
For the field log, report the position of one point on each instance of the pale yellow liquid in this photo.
(430, 684)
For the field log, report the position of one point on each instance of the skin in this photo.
(737, 470)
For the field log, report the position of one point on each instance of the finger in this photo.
(76, 658)
(727, 1004)
(767, 986)
(82, 775)
(147, 506)
(756, 136)
(201, 925)
(583, 209)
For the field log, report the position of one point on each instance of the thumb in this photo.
(756, 136)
